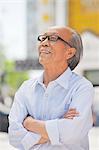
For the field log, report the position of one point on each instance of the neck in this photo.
(52, 73)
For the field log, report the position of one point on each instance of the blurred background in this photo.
(20, 23)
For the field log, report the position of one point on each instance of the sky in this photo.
(13, 28)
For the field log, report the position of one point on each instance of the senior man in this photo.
(54, 110)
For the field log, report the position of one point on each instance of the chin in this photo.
(43, 62)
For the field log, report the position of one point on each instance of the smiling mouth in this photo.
(45, 52)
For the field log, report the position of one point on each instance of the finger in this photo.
(69, 118)
(71, 115)
(72, 109)
(66, 116)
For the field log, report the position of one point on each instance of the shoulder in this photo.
(80, 82)
(82, 90)
(29, 82)
(26, 85)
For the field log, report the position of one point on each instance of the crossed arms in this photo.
(38, 126)
(25, 133)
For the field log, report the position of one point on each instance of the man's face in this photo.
(54, 52)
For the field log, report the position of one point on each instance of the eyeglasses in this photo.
(52, 38)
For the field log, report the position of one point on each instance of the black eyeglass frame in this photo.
(58, 38)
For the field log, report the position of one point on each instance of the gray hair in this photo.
(76, 42)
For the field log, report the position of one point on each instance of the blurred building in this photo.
(84, 17)
(41, 14)
(31, 28)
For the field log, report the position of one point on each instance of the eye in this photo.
(43, 38)
(53, 38)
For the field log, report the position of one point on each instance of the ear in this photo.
(70, 53)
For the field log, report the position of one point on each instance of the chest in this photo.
(51, 103)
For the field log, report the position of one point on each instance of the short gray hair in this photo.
(76, 42)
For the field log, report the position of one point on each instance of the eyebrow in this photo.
(50, 33)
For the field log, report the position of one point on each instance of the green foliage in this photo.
(2, 58)
(11, 78)
(9, 66)
(14, 79)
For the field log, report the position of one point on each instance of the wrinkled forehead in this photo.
(64, 33)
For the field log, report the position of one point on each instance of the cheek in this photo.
(59, 53)
(38, 47)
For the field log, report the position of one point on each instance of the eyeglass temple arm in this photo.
(65, 42)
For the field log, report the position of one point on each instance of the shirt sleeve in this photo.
(19, 137)
(69, 131)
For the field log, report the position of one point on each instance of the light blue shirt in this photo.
(50, 104)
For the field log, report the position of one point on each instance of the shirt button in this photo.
(46, 95)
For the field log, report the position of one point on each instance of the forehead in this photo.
(51, 32)
(65, 33)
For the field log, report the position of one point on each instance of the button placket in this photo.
(46, 99)
(46, 95)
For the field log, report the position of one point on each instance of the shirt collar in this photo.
(40, 79)
(62, 80)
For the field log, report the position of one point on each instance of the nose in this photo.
(45, 42)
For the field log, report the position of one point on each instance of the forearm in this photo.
(39, 127)
(19, 136)
(36, 126)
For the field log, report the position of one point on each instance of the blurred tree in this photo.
(14, 79)
(10, 79)
(2, 58)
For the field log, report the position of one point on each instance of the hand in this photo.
(72, 112)
(42, 141)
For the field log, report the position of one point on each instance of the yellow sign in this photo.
(44, 2)
(46, 17)
(84, 15)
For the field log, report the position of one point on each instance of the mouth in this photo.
(45, 51)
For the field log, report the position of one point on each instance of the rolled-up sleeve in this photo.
(69, 131)
(19, 137)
